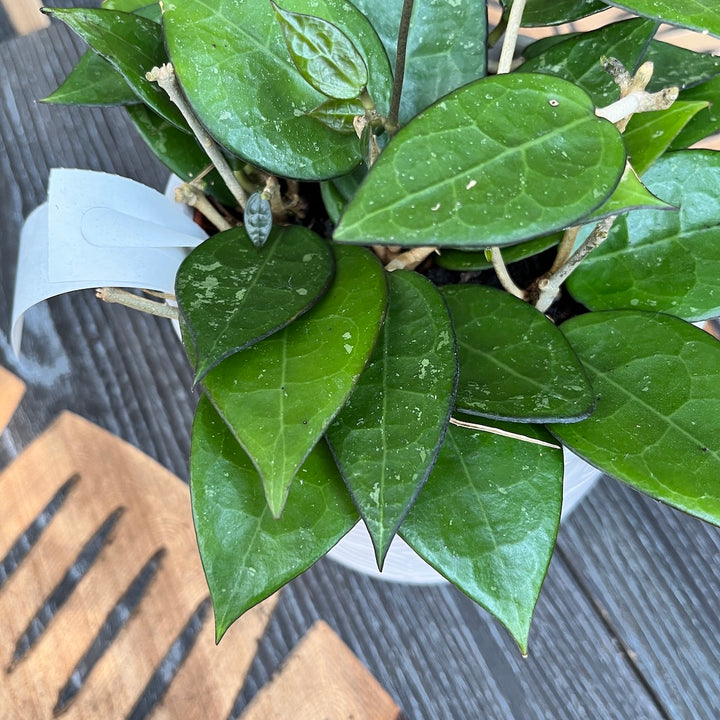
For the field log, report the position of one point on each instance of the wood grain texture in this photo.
(25, 15)
(322, 679)
(438, 655)
(658, 586)
(11, 391)
(111, 474)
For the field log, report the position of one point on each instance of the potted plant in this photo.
(425, 277)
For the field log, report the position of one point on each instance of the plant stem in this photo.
(498, 31)
(549, 286)
(565, 248)
(506, 56)
(392, 122)
(167, 80)
(503, 275)
(511, 35)
(135, 302)
(187, 194)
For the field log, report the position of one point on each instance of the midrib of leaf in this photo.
(657, 239)
(249, 289)
(481, 505)
(497, 159)
(509, 370)
(249, 548)
(605, 375)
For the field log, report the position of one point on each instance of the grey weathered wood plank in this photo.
(437, 654)
(655, 573)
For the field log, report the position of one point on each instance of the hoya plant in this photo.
(428, 273)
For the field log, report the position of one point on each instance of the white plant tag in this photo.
(99, 230)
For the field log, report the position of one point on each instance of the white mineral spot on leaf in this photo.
(308, 257)
(347, 336)
(424, 364)
(375, 493)
(240, 294)
(348, 348)
(435, 207)
(301, 291)
(471, 184)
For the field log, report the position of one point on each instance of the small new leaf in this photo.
(258, 219)
(324, 56)
(338, 114)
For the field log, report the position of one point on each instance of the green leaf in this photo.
(258, 219)
(247, 554)
(472, 170)
(387, 436)
(125, 5)
(445, 47)
(657, 421)
(630, 194)
(578, 59)
(468, 260)
(338, 114)
(258, 106)
(539, 13)
(514, 363)
(179, 151)
(487, 519)
(93, 81)
(649, 134)
(324, 56)
(232, 294)
(132, 44)
(699, 15)
(280, 395)
(670, 261)
(706, 122)
(678, 66)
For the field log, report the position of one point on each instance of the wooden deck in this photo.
(628, 620)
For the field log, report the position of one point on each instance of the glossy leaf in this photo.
(699, 15)
(630, 194)
(669, 261)
(445, 47)
(258, 219)
(649, 134)
(539, 13)
(387, 436)
(514, 363)
(468, 260)
(578, 59)
(338, 114)
(657, 421)
(324, 56)
(179, 151)
(232, 294)
(132, 44)
(678, 66)
(487, 519)
(473, 170)
(259, 110)
(280, 395)
(93, 81)
(706, 122)
(125, 5)
(245, 552)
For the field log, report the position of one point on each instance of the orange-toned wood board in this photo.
(11, 392)
(25, 15)
(322, 678)
(104, 480)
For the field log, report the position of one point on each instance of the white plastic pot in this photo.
(404, 565)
